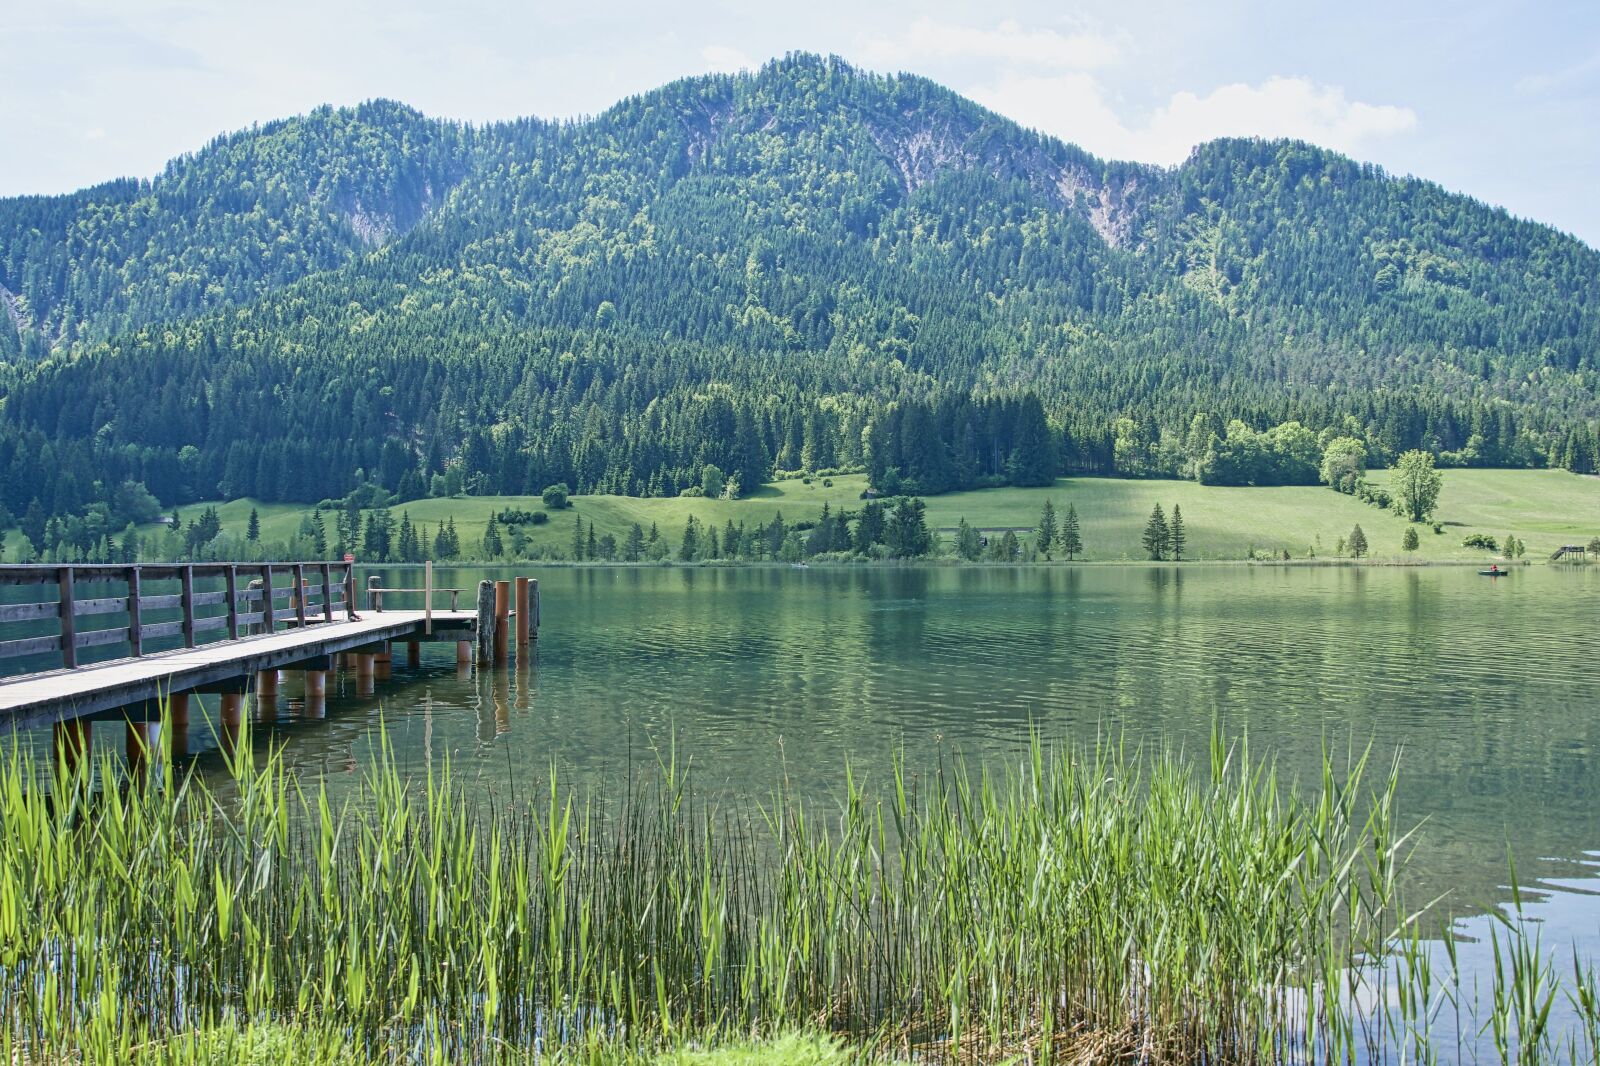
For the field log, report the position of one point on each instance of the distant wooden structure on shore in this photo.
(1566, 551)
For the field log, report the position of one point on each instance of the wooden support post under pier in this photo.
(413, 653)
(178, 725)
(71, 741)
(141, 743)
(366, 673)
(316, 694)
(231, 724)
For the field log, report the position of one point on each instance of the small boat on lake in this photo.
(1494, 571)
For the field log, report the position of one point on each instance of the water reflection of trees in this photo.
(770, 676)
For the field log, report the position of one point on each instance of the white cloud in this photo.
(1074, 107)
(724, 60)
(1057, 82)
(1008, 42)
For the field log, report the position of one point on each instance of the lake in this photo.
(767, 675)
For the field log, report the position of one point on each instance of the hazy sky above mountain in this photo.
(1500, 100)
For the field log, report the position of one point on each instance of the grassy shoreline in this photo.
(1543, 508)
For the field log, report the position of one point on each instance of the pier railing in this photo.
(146, 606)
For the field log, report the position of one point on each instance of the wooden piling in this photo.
(502, 622)
(366, 671)
(463, 653)
(413, 653)
(178, 725)
(485, 633)
(231, 715)
(71, 741)
(267, 685)
(524, 616)
(533, 613)
(316, 694)
(140, 744)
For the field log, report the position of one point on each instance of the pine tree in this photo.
(319, 534)
(591, 550)
(1409, 542)
(1071, 540)
(1047, 531)
(406, 547)
(252, 529)
(492, 544)
(1357, 542)
(969, 545)
(1157, 536)
(906, 532)
(633, 547)
(690, 549)
(578, 542)
(129, 549)
(1175, 535)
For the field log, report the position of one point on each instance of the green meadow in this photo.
(1543, 508)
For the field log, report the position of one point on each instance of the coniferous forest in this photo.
(809, 268)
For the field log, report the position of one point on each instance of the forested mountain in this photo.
(806, 267)
(247, 214)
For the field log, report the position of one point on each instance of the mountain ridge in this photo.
(728, 267)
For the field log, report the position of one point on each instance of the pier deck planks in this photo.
(39, 699)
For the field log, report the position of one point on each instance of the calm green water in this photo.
(761, 675)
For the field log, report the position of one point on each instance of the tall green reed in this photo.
(1077, 903)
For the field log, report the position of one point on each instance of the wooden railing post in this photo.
(231, 590)
(427, 597)
(374, 593)
(327, 592)
(188, 606)
(267, 621)
(69, 626)
(135, 615)
(300, 595)
(350, 590)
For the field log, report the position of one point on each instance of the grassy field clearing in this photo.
(1543, 508)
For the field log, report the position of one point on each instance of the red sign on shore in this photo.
(349, 557)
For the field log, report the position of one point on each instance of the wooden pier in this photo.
(219, 628)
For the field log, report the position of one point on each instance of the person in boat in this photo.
(1494, 568)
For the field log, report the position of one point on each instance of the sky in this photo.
(1499, 100)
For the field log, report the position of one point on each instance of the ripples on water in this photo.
(762, 676)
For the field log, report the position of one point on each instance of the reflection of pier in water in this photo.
(482, 704)
(314, 642)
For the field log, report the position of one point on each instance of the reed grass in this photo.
(1089, 905)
